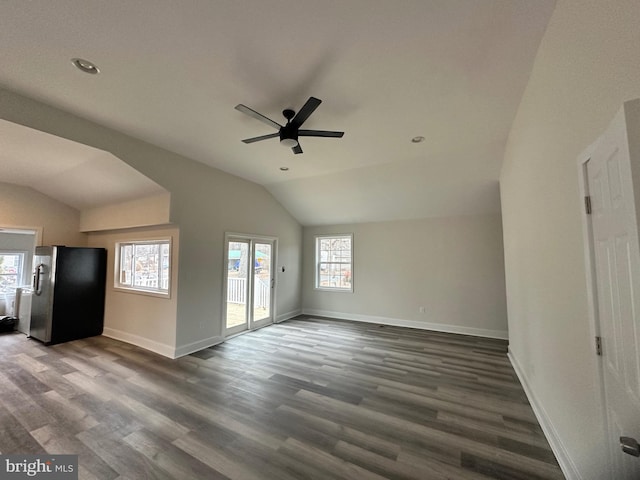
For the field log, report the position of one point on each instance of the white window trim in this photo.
(316, 259)
(22, 277)
(138, 290)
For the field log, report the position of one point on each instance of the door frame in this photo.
(592, 298)
(225, 272)
(36, 232)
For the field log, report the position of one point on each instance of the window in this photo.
(11, 265)
(334, 265)
(144, 266)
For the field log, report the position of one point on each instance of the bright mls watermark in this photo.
(52, 467)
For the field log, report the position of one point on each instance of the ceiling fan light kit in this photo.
(290, 132)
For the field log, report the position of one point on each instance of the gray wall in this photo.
(205, 203)
(453, 267)
(587, 66)
(145, 320)
(16, 241)
(25, 207)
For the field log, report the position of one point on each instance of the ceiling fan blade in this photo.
(319, 133)
(263, 137)
(296, 149)
(258, 116)
(306, 110)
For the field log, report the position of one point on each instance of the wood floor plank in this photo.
(67, 414)
(215, 459)
(334, 466)
(338, 431)
(21, 406)
(109, 445)
(176, 462)
(55, 440)
(436, 404)
(437, 469)
(497, 429)
(308, 398)
(382, 465)
(14, 437)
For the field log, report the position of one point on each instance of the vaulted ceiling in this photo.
(77, 175)
(452, 71)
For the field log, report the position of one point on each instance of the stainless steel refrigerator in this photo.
(68, 293)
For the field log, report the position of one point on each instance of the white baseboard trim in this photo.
(157, 347)
(160, 348)
(567, 465)
(399, 322)
(286, 316)
(183, 350)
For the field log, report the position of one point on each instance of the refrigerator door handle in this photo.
(37, 286)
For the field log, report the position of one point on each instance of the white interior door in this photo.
(610, 172)
(249, 283)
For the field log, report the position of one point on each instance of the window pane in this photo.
(164, 255)
(10, 271)
(345, 276)
(145, 266)
(126, 255)
(333, 260)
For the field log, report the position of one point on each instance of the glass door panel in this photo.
(263, 274)
(238, 267)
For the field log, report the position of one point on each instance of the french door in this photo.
(249, 282)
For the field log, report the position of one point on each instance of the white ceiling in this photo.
(452, 71)
(77, 175)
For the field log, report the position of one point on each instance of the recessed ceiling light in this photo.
(85, 66)
(284, 169)
(418, 139)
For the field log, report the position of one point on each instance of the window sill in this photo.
(147, 293)
(329, 289)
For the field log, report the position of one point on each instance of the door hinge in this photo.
(599, 346)
(587, 204)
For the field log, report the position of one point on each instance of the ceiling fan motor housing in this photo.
(289, 132)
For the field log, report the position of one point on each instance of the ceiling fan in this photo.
(290, 132)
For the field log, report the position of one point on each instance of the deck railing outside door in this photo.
(237, 291)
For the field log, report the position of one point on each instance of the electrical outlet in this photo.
(421, 310)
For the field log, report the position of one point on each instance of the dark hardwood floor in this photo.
(305, 399)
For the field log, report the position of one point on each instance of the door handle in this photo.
(37, 287)
(630, 446)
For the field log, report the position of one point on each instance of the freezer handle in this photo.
(37, 285)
